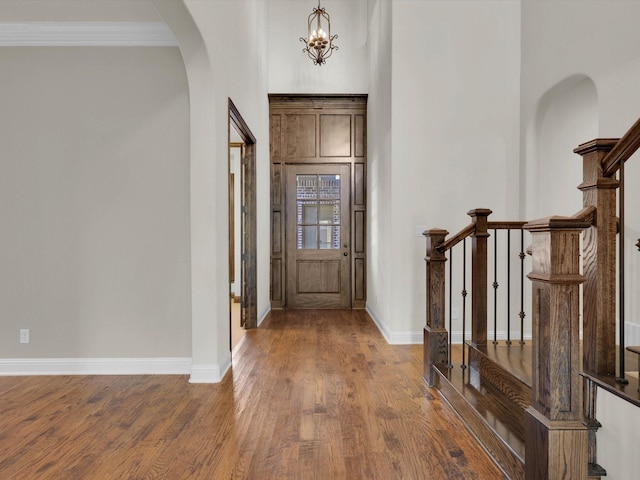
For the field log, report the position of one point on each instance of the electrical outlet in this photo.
(455, 313)
(24, 335)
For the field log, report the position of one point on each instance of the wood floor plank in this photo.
(311, 395)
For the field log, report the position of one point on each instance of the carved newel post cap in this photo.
(556, 223)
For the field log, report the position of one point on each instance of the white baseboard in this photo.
(211, 373)
(417, 338)
(95, 366)
(396, 338)
(264, 315)
(406, 338)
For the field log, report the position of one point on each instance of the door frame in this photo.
(300, 131)
(248, 255)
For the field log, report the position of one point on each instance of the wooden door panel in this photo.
(275, 128)
(358, 185)
(318, 276)
(359, 141)
(335, 135)
(300, 135)
(318, 236)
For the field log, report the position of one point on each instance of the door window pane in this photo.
(329, 186)
(307, 238)
(329, 238)
(309, 213)
(307, 186)
(318, 211)
(329, 213)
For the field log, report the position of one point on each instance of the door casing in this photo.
(248, 257)
(318, 129)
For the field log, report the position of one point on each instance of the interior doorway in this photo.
(236, 147)
(242, 227)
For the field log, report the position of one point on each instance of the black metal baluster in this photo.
(522, 314)
(450, 307)
(508, 287)
(464, 300)
(495, 286)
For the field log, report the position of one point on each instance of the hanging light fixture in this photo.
(319, 42)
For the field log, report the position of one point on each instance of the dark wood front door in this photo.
(324, 137)
(317, 236)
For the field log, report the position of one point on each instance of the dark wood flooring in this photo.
(312, 395)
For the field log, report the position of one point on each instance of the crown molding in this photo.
(86, 34)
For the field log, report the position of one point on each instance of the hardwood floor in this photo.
(312, 395)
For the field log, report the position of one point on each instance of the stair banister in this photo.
(479, 286)
(556, 439)
(436, 347)
(622, 151)
(599, 259)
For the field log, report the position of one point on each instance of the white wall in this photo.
(455, 110)
(617, 437)
(94, 201)
(379, 155)
(292, 71)
(208, 61)
(566, 116)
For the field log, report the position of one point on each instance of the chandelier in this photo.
(319, 42)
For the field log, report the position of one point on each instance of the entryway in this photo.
(318, 201)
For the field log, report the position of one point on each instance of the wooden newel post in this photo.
(599, 261)
(556, 443)
(479, 217)
(435, 334)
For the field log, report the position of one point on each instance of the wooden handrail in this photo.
(457, 238)
(468, 230)
(587, 214)
(625, 147)
(516, 225)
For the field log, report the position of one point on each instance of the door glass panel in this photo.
(329, 238)
(318, 212)
(307, 237)
(329, 212)
(329, 186)
(307, 186)
(309, 212)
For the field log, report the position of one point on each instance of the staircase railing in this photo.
(560, 424)
(483, 251)
(604, 175)
(604, 303)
